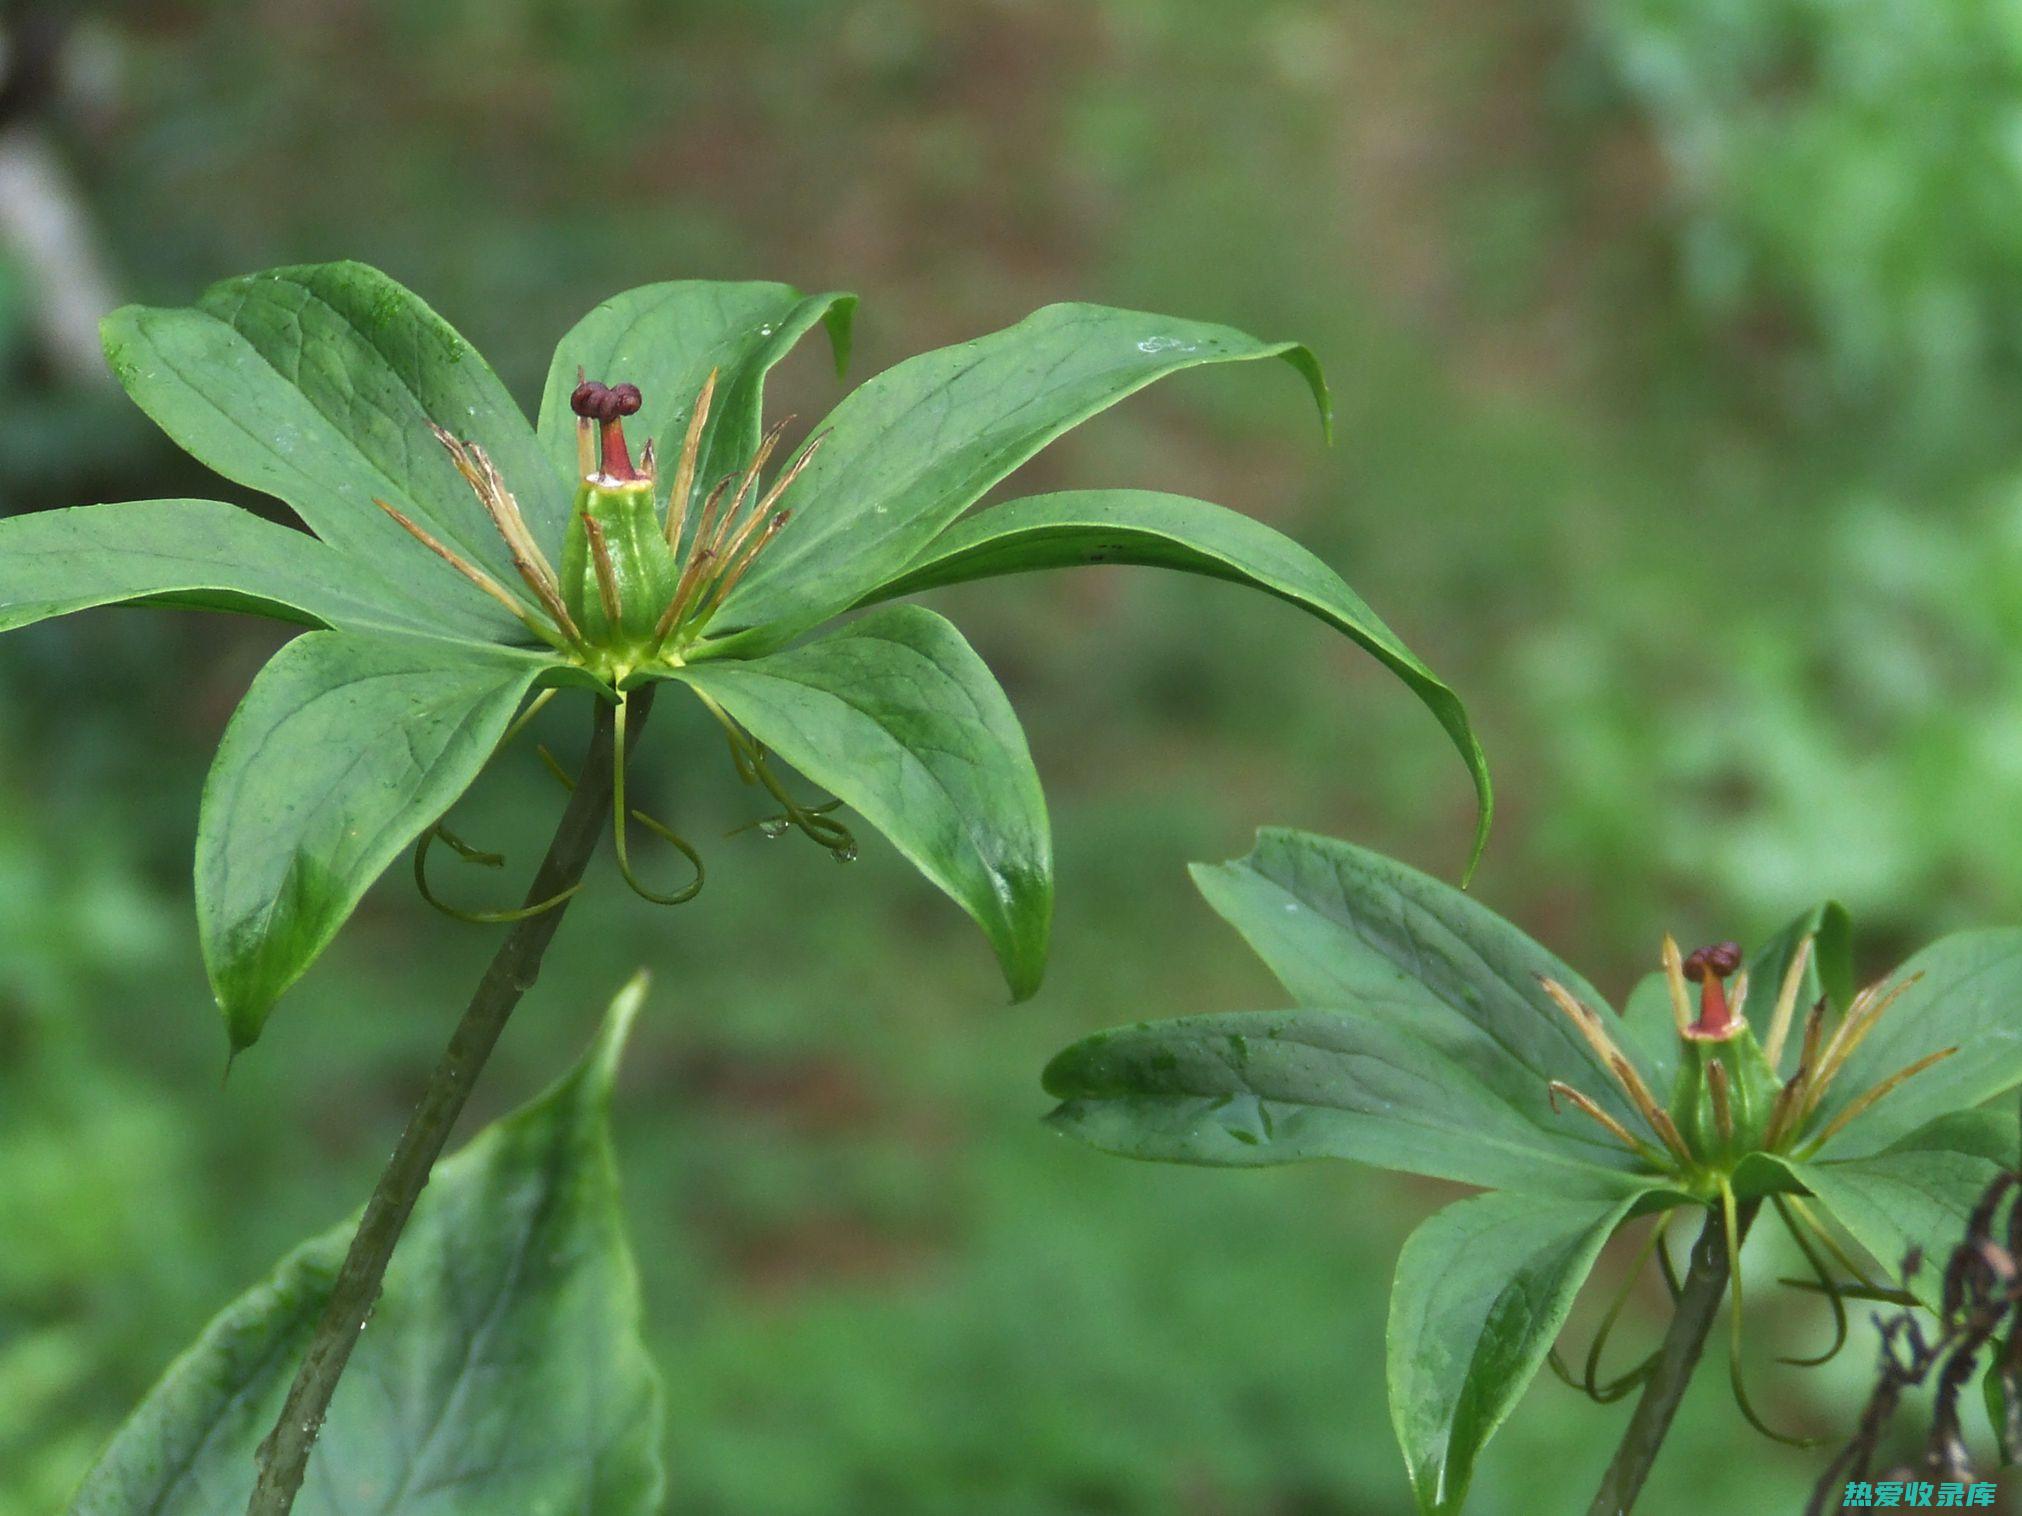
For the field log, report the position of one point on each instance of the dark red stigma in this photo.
(608, 405)
(1708, 967)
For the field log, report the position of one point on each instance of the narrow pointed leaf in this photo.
(1272, 1087)
(897, 716)
(1342, 926)
(1915, 1195)
(1172, 531)
(343, 750)
(1967, 989)
(199, 553)
(501, 1371)
(1482, 1290)
(666, 338)
(912, 449)
(317, 385)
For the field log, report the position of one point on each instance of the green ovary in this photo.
(643, 570)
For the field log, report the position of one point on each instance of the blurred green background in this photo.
(1677, 346)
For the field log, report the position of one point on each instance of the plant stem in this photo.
(1692, 1319)
(284, 1456)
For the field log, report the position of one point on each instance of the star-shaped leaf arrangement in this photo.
(1433, 1037)
(465, 562)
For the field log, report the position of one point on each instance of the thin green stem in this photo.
(1691, 1324)
(1614, 1314)
(1826, 1284)
(1736, 1338)
(284, 1456)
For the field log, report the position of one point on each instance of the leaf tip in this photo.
(244, 1021)
(840, 321)
(616, 1030)
(1303, 358)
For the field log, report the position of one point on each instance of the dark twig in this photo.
(1980, 1295)
(1691, 1320)
(284, 1456)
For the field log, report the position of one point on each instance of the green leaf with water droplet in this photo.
(911, 449)
(502, 1369)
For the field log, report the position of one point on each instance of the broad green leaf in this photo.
(1649, 1025)
(342, 751)
(1482, 1290)
(1913, 1195)
(1966, 993)
(317, 385)
(1829, 973)
(665, 338)
(1271, 1087)
(1172, 531)
(897, 716)
(200, 553)
(1342, 926)
(501, 1371)
(912, 449)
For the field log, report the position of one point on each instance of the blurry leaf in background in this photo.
(502, 1368)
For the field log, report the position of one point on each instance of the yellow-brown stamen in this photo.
(779, 485)
(500, 504)
(698, 564)
(1861, 1019)
(1659, 1118)
(1674, 980)
(1556, 1088)
(1624, 1072)
(722, 545)
(1788, 1100)
(1723, 1107)
(607, 576)
(759, 512)
(1868, 1100)
(470, 571)
(705, 524)
(684, 467)
(733, 572)
(1786, 1003)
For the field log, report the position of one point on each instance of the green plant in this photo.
(1436, 1038)
(468, 567)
